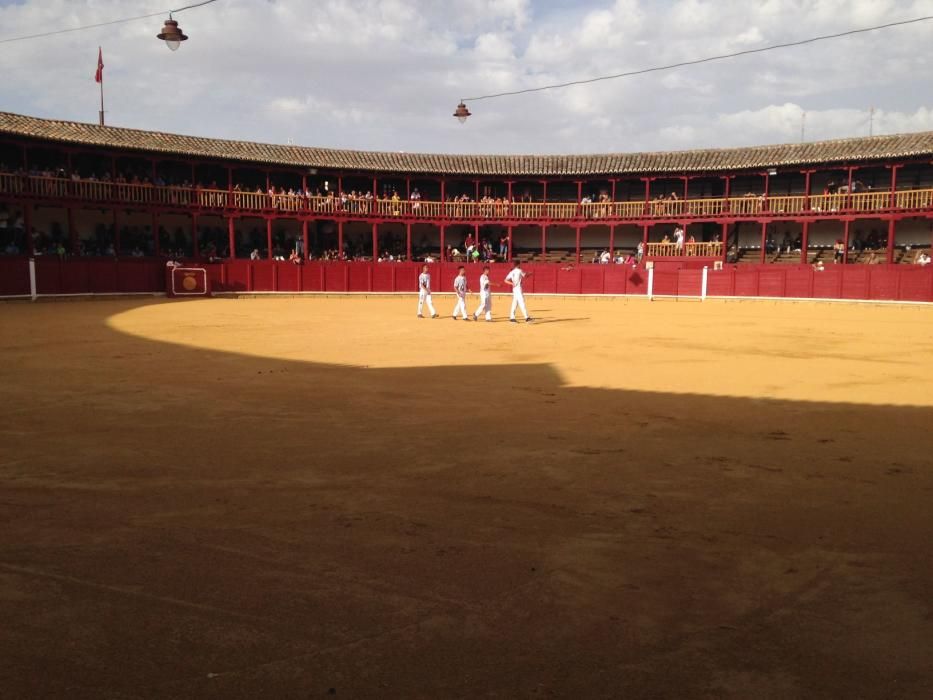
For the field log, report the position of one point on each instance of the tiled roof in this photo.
(876, 148)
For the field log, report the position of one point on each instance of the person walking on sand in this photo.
(424, 292)
(515, 278)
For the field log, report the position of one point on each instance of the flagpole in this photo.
(101, 93)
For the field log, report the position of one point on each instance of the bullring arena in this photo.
(293, 487)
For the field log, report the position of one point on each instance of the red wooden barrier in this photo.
(14, 276)
(99, 275)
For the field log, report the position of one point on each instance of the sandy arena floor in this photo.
(300, 498)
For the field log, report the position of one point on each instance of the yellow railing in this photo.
(673, 250)
(749, 205)
(913, 199)
(787, 204)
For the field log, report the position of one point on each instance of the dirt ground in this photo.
(300, 498)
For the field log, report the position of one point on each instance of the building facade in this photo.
(70, 190)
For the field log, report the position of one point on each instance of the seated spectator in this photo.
(254, 255)
(923, 259)
(839, 249)
(818, 266)
(605, 258)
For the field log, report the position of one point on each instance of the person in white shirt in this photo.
(679, 237)
(605, 257)
(460, 288)
(923, 260)
(424, 292)
(485, 296)
(515, 278)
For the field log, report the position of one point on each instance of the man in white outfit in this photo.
(424, 292)
(460, 289)
(515, 278)
(485, 296)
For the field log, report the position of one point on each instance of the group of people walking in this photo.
(461, 289)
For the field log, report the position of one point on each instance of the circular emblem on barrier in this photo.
(189, 282)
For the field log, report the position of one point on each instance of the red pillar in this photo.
(375, 187)
(407, 188)
(686, 188)
(728, 192)
(443, 256)
(510, 241)
(231, 237)
(767, 192)
(27, 224)
(375, 242)
(644, 238)
(443, 198)
(578, 244)
(72, 232)
(894, 170)
(764, 238)
(195, 247)
(116, 234)
(849, 189)
(845, 241)
(612, 234)
(476, 189)
(269, 238)
(647, 203)
(543, 239)
(408, 242)
(155, 234)
(805, 242)
(891, 234)
(304, 238)
(806, 190)
(725, 241)
(340, 240)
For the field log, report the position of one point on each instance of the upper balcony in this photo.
(238, 203)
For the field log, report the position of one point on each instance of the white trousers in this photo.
(425, 298)
(485, 305)
(461, 306)
(518, 299)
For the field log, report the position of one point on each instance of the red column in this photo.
(407, 188)
(443, 256)
(612, 235)
(269, 238)
(155, 234)
(195, 247)
(647, 203)
(764, 238)
(805, 242)
(767, 192)
(27, 224)
(849, 190)
(443, 198)
(725, 241)
(508, 205)
(375, 242)
(304, 239)
(644, 238)
(891, 234)
(845, 241)
(408, 242)
(340, 240)
(726, 207)
(231, 237)
(894, 169)
(72, 232)
(510, 241)
(578, 244)
(612, 195)
(476, 189)
(375, 188)
(806, 190)
(579, 210)
(686, 187)
(543, 239)
(116, 234)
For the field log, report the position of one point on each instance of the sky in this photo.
(387, 74)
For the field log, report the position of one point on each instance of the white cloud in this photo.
(386, 74)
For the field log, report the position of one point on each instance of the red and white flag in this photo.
(99, 75)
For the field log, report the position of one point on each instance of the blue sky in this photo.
(387, 74)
